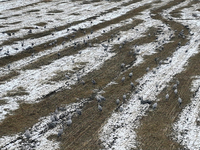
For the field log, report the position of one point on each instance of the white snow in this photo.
(119, 130)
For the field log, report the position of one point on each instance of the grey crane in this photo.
(176, 91)
(155, 106)
(122, 65)
(98, 99)
(123, 79)
(52, 117)
(69, 122)
(132, 85)
(93, 82)
(57, 110)
(62, 115)
(117, 101)
(177, 82)
(83, 82)
(27, 134)
(179, 101)
(99, 107)
(167, 96)
(130, 75)
(55, 117)
(121, 108)
(105, 47)
(78, 111)
(67, 76)
(78, 77)
(147, 69)
(69, 116)
(60, 131)
(124, 97)
(174, 86)
(102, 98)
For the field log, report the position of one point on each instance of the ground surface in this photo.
(59, 58)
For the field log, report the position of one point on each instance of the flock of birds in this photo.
(61, 118)
(65, 118)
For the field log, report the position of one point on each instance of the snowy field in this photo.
(87, 54)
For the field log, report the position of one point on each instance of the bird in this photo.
(78, 78)
(69, 122)
(98, 99)
(179, 101)
(174, 86)
(105, 47)
(117, 101)
(62, 115)
(167, 96)
(147, 69)
(132, 85)
(57, 110)
(122, 65)
(124, 97)
(69, 116)
(99, 107)
(130, 74)
(55, 117)
(121, 108)
(102, 98)
(155, 106)
(93, 82)
(27, 134)
(83, 82)
(60, 132)
(52, 117)
(177, 82)
(123, 79)
(78, 111)
(176, 91)
(67, 76)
